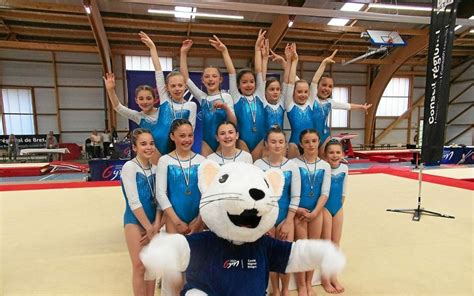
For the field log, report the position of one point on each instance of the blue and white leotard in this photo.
(322, 111)
(249, 111)
(299, 116)
(138, 187)
(274, 113)
(319, 178)
(211, 118)
(159, 123)
(169, 111)
(338, 189)
(172, 188)
(241, 156)
(290, 197)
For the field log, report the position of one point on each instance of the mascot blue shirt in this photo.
(218, 260)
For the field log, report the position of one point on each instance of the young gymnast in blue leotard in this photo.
(320, 94)
(177, 188)
(145, 99)
(142, 218)
(275, 144)
(274, 89)
(247, 90)
(173, 106)
(315, 176)
(216, 106)
(333, 211)
(298, 106)
(227, 137)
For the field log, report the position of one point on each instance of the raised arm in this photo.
(109, 81)
(154, 53)
(322, 67)
(217, 44)
(265, 55)
(258, 51)
(183, 58)
(294, 64)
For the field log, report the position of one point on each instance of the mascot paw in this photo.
(161, 256)
(333, 261)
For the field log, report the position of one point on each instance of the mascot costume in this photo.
(239, 204)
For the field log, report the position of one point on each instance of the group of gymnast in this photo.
(160, 184)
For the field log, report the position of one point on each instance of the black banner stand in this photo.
(419, 210)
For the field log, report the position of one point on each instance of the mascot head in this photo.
(239, 201)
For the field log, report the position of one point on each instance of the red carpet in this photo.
(18, 187)
(406, 173)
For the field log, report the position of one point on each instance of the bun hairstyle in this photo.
(274, 129)
(137, 132)
(174, 126)
(333, 142)
(303, 133)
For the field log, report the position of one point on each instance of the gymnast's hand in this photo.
(277, 58)
(284, 229)
(146, 40)
(217, 44)
(109, 80)
(186, 46)
(330, 59)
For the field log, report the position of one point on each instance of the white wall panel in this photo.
(90, 75)
(47, 123)
(26, 54)
(82, 120)
(72, 97)
(78, 138)
(77, 57)
(45, 100)
(465, 139)
(26, 74)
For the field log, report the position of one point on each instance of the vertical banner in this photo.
(443, 20)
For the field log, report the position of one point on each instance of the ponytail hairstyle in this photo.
(147, 88)
(241, 73)
(137, 132)
(226, 123)
(174, 126)
(303, 133)
(270, 80)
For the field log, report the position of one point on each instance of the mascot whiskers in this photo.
(239, 204)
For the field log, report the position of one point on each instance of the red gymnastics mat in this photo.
(24, 169)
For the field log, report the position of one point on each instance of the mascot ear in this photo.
(276, 180)
(206, 173)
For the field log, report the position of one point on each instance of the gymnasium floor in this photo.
(70, 241)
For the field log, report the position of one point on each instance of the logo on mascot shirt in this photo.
(231, 263)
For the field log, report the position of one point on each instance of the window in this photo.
(18, 111)
(144, 63)
(339, 117)
(395, 98)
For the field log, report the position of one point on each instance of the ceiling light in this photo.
(338, 22)
(352, 6)
(88, 9)
(457, 27)
(399, 7)
(472, 31)
(191, 13)
(472, 17)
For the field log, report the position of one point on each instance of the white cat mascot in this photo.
(239, 204)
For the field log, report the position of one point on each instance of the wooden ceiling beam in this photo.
(277, 30)
(45, 17)
(47, 46)
(397, 58)
(354, 29)
(95, 20)
(28, 4)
